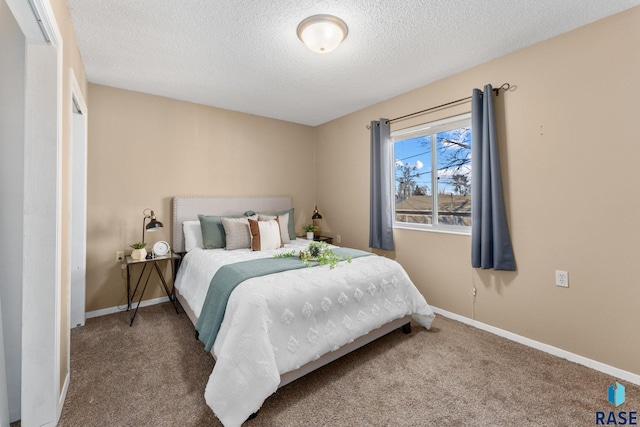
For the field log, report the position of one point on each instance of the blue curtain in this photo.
(381, 208)
(490, 240)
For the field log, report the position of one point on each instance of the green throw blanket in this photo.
(229, 276)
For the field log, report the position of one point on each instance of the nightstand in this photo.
(326, 239)
(174, 261)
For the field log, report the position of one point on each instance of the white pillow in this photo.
(265, 235)
(192, 235)
(283, 220)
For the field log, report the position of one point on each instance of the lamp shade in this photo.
(316, 214)
(153, 225)
(322, 33)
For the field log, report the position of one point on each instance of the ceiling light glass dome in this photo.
(322, 33)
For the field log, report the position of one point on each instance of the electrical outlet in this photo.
(562, 278)
(474, 291)
(338, 239)
(119, 256)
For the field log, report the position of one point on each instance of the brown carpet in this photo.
(154, 374)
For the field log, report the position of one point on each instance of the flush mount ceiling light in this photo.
(322, 33)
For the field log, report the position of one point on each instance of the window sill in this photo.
(466, 231)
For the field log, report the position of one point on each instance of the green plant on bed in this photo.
(316, 252)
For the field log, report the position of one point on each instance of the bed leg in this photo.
(406, 328)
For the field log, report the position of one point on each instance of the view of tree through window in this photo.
(433, 173)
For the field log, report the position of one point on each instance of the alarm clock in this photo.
(161, 248)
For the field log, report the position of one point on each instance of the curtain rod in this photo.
(504, 86)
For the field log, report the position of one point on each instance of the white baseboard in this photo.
(589, 363)
(117, 309)
(63, 395)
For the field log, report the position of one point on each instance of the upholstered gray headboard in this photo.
(188, 208)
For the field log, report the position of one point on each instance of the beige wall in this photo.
(144, 149)
(569, 147)
(568, 153)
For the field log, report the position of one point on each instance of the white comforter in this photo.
(275, 324)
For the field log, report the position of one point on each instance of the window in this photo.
(432, 177)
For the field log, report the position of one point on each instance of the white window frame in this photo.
(431, 128)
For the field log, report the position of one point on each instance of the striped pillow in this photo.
(237, 233)
(265, 235)
(283, 220)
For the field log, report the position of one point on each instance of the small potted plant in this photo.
(310, 229)
(138, 252)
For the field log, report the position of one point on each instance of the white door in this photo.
(40, 388)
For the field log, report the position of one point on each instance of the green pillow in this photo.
(291, 225)
(213, 236)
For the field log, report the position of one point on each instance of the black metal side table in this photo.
(329, 240)
(173, 259)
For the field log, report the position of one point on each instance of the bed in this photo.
(279, 327)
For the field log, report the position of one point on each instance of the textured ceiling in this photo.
(244, 55)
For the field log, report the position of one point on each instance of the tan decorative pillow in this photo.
(265, 235)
